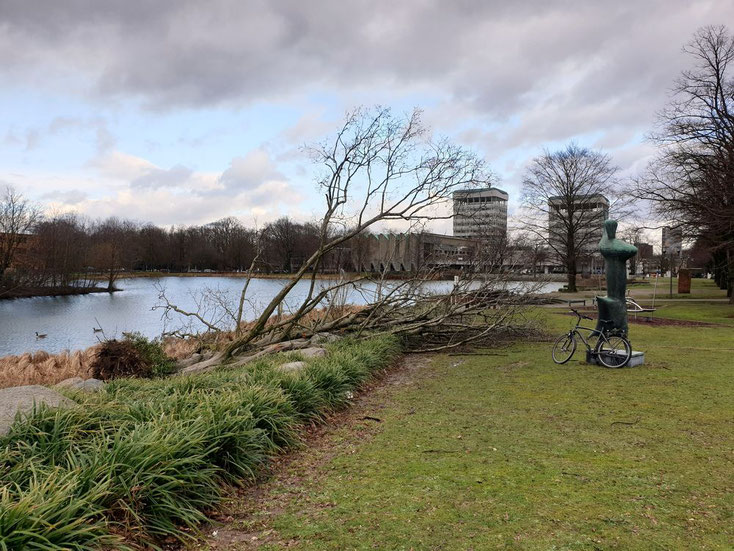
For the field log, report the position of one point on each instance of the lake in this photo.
(69, 321)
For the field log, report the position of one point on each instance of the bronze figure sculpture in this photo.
(613, 307)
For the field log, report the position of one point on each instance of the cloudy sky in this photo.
(183, 112)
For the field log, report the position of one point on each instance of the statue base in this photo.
(637, 358)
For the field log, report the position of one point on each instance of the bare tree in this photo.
(529, 250)
(112, 248)
(18, 218)
(691, 182)
(633, 234)
(567, 195)
(378, 168)
(61, 251)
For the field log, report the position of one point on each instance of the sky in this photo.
(183, 112)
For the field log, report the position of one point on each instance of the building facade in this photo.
(672, 240)
(590, 212)
(481, 214)
(413, 252)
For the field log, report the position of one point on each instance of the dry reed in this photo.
(42, 368)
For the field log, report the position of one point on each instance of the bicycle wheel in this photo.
(563, 348)
(614, 351)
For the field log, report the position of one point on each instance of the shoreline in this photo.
(31, 292)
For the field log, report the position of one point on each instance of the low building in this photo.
(411, 252)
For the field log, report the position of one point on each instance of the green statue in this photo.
(613, 307)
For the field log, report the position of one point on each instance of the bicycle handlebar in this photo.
(581, 316)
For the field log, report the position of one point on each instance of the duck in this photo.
(97, 329)
(41, 336)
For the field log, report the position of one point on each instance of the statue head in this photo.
(610, 227)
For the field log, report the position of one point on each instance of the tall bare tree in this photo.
(378, 168)
(691, 182)
(18, 217)
(565, 194)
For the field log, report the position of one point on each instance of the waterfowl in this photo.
(42, 336)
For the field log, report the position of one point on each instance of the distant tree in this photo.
(633, 234)
(691, 181)
(529, 250)
(154, 248)
(18, 218)
(566, 186)
(113, 242)
(61, 249)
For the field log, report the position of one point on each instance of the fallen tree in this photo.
(378, 169)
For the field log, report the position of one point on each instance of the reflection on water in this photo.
(68, 321)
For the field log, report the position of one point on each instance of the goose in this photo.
(41, 336)
(97, 329)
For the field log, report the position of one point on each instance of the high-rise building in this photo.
(672, 240)
(590, 211)
(481, 214)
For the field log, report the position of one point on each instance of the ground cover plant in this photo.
(145, 460)
(503, 449)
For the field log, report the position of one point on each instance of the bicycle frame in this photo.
(592, 333)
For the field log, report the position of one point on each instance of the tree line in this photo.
(67, 249)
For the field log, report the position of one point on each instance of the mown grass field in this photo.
(510, 451)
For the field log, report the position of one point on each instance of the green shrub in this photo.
(152, 352)
(147, 456)
(49, 513)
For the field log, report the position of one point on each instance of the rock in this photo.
(77, 383)
(72, 382)
(292, 366)
(91, 385)
(313, 352)
(20, 399)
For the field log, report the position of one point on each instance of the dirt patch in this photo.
(646, 320)
(244, 521)
(668, 321)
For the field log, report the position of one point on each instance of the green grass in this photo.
(512, 451)
(145, 459)
(710, 312)
(700, 289)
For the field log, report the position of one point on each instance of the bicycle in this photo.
(611, 350)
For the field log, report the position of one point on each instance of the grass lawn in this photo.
(700, 289)
(510, 451)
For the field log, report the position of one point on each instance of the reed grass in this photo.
(42, 368)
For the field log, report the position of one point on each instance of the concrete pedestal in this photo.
(637, 358)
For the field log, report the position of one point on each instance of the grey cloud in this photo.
(492, 55)
(158, 177)
(69, 197)
(249, 172)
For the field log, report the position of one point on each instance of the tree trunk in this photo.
(730, 275)
(571, 276)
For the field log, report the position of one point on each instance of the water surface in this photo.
(68, 321)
